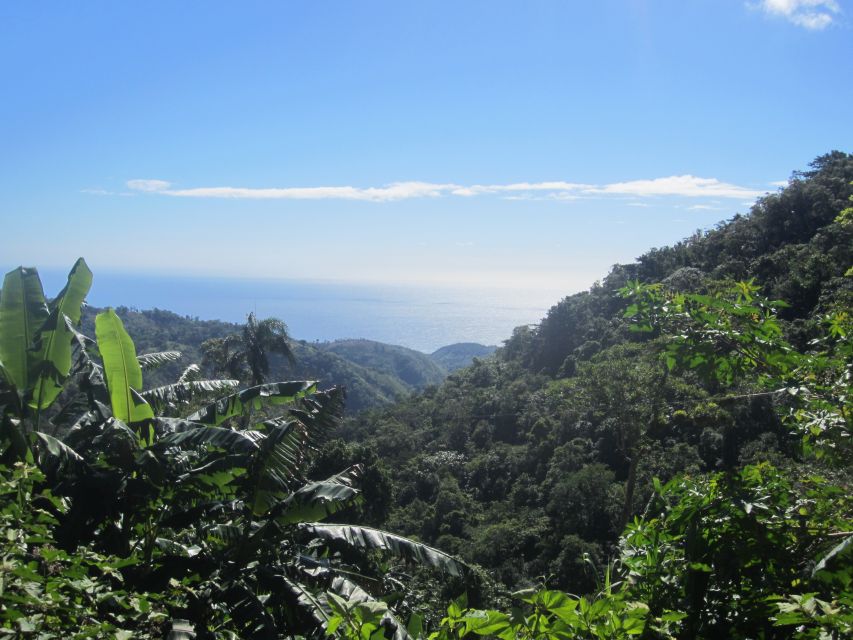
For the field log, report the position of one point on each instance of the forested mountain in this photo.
(531, 463)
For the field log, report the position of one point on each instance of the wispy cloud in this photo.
(779, 183)
(809, 14)
(703, 207)
(106, 192)
(687, 186)
(148, 185)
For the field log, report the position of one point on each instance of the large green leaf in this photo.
(121, 368)
(22, 313)
(253, 398)
(53, 342)
(370, 538)
(316, 500)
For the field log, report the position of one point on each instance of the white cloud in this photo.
(395, 191)
(558, 186)
(779, 183)
(148, 185)
(686, 185)
(809, 14)
(703, 207)
(682, 186)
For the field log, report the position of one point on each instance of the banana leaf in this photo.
(354, 594)
(307, 600)
(370, 538)
(154, 360)
(171, 395)
(23, 311)
(11, 432)
(54, 340)
(191, 373)
(277, 465)
(231, 440)
(253, 398)
(316, 500)
(54, 456)
(121, 368)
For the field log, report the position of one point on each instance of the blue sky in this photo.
(529, 144)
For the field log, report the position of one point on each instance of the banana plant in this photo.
(217, 500)
(285, 565)
(36, 345)
(35, 340)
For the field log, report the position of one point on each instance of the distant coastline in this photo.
(419, 317)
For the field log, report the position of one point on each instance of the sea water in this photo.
(415, 316)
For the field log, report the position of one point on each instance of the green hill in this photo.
(459, 355)
(415, 369)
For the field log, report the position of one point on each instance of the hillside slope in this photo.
(521, 463)
(415, 369)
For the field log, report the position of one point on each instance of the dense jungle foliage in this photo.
(532, 463)
(667, 455)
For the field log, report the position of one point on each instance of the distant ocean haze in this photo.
(420, 317)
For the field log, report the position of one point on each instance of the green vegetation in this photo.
(532, 464)
(667, 455)
(126, 523)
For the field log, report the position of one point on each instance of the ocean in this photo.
(419, 317)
